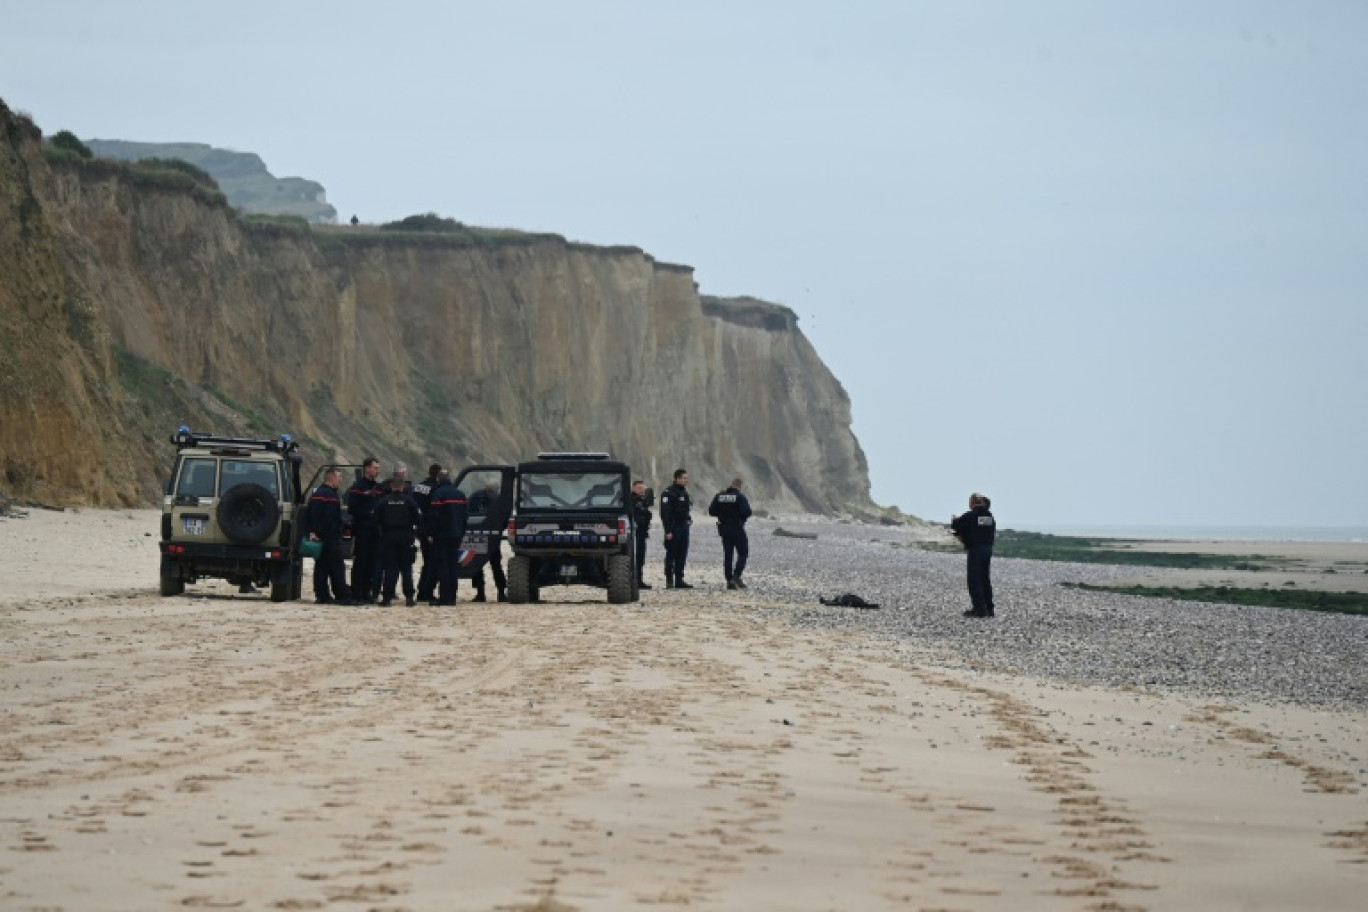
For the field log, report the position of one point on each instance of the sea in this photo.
(1205, 533)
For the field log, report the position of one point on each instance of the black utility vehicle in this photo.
(572, 526)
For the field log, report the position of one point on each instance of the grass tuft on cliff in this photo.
(150, 174)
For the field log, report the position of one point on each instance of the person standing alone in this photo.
(976, 530)
(674, 518)
(732, 509)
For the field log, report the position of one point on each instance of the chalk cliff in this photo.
(128, 308)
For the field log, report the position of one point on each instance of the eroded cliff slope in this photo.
(128, 309)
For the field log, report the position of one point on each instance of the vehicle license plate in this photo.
(194, 526)
(569, 570)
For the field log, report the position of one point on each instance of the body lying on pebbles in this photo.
(1043, 629)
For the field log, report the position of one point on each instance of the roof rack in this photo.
(186, 438)
(568, 456)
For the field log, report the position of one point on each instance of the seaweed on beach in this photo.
(1081, 550)
(1303, 599)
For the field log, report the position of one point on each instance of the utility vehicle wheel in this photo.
(520, 590)
(621, 578)
(171, 582)
(297, 580)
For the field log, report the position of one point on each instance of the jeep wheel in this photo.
(248, 514)
(621, 577)
(520, 580)
(297, 580)
(171, 582)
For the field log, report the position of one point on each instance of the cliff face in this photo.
(126, 311)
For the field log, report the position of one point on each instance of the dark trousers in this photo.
(676, 552)
(496, 569)
(365, 554)
(735, 545)
(448, 565)
(427, 577)
(643, 536)
(330, 574)
(396, 562)
(980, 584)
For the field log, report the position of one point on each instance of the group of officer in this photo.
(388, 516)
(729, 507)
(386, 519)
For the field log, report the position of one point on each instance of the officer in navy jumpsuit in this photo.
(976, 530)
(397, 517)
(674, 518)
(732, 509)
(324, 519)
(446, 525)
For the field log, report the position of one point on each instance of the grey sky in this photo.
(1105, 262)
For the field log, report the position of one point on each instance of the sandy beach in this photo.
(700, 749)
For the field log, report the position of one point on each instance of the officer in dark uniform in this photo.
(976, 530)
(732, 509)
(481, 502)
(361, 498)
(446, 525)
(324, 519)
(397, 517)
(642, 501)
(422, 495)
(674, 517)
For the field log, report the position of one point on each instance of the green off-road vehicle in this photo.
(572, 525)
(232, 511)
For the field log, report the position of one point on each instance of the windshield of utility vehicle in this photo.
(577, 491)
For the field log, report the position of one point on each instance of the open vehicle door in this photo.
(489, 503)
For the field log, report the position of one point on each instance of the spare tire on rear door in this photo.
(248, 513)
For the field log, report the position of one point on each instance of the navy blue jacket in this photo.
(446, 513)
(641, 512)
(324, 515)
(361, 498)
(975, 529)
(674, 506)
(730, 507)
(422, 492)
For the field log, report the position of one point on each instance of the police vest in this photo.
(394, 512)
